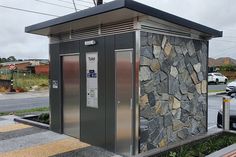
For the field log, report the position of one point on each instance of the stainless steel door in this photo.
(123, 71)
(71, 95)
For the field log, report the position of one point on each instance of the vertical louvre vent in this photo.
(104, 30)
(84, 33)
(65, 36)
(54, 39)
(117, 28)
(165, 31)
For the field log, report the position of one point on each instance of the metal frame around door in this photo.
(75, 94)
(124, 142)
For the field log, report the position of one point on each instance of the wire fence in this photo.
(24, 79)
(6, 74)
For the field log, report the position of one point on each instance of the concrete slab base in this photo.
(18, 140)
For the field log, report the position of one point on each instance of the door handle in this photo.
(118, 102)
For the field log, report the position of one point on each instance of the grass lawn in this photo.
(27, 81)
(25, 112)
(215, 91)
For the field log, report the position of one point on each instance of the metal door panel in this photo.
(71, 95)
(123, 70)
(93, 119)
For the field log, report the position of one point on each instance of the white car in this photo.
(217, 78)
(231, 88)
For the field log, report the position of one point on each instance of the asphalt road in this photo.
(217, 87)
(11, 105)
(214, 105)
(22, 101)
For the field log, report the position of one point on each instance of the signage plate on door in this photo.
(92, 79)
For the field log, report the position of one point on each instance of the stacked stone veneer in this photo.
(173, 104)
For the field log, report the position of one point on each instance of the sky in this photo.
(218, 14)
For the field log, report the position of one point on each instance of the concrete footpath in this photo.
(33, 94)
(20, 140)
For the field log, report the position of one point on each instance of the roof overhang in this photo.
(121, 14)
(112, 12)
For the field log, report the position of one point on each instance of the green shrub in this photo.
(44, 118)
(228, 67)
(203, 147)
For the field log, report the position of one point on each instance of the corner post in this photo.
(226, 113)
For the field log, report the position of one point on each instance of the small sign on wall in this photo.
(92, 79)
(90, 42)
(54, 84)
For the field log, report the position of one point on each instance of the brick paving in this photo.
(20, 140)
(231, 154)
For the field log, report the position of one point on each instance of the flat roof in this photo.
(118, 5)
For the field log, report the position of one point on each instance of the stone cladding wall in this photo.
(173, 101)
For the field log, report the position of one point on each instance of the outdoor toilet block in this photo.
(127, 77)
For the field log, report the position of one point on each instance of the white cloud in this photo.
(14, 41)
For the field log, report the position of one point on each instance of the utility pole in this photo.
(99, 2)
(74, 5)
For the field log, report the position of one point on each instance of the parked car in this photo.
(231, 88)
(217, 78)
(232, 115)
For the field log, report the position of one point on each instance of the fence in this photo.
(230, 74)
(18, 75)
(7, 73)
(5, 83)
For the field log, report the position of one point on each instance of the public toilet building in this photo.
(127, 77)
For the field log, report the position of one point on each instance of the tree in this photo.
(228, 67)
(11, 59)
(3, 60)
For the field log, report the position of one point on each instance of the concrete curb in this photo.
(221, 93)
(32, 123)
(223, 151)
(10, 93)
